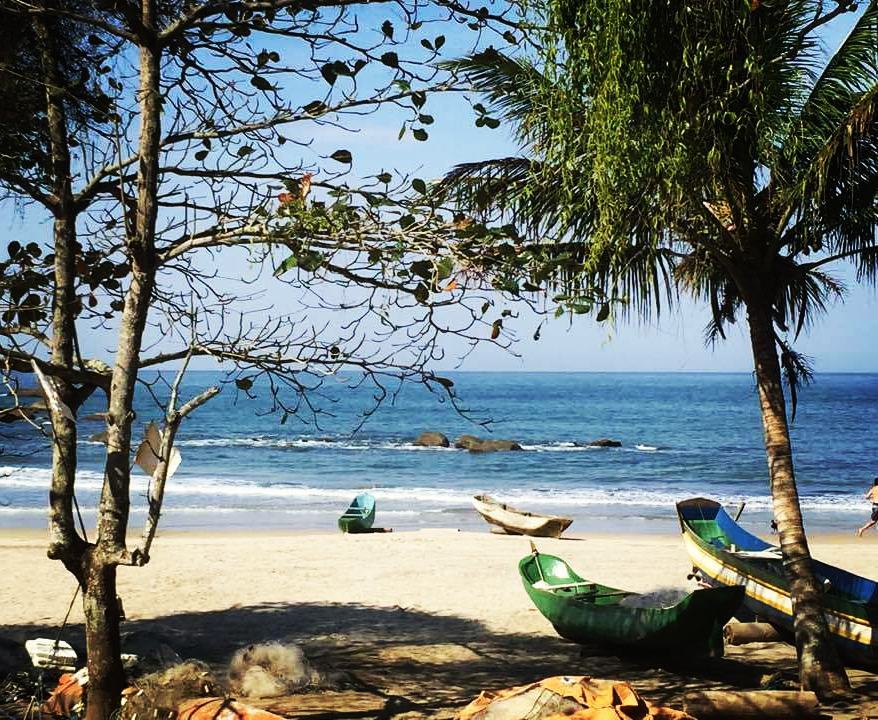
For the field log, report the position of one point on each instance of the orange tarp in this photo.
(540, 700)
(65, 697)
(221, 709)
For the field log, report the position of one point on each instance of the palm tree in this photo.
(705, 148)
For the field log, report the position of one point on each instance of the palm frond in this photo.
(703, 278)
(850, 72)
(510, 88)
(510, 190)
(637, 270)
(804, 294)
(828, 177)
(798, 371)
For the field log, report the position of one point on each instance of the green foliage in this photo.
(24, 141)
(25, 282)
(701, 146)
(658, 128)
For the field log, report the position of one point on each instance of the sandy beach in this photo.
(431, 616)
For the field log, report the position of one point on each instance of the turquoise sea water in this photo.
(244, 469)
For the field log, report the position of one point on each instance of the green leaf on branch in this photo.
(342, 156)
(291, 262)
(260, 83)
(317, 107)
(419, 185)
(422, 268)
(603, 313)
(444, 268)
(420, 134)
(244, 383)
(310, 261)
(391, 59)
(329, 74)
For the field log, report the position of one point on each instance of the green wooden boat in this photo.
(589, 613)
(358, 518)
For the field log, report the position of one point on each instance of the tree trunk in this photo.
(820, 668)
(102, 615)
(64, 543)
(106, 677)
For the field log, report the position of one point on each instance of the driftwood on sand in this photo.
(781, 704)
(743, 633)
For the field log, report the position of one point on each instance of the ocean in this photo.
(682, 435)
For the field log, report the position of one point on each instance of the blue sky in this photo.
(843, 341)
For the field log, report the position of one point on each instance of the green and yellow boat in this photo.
(586, 612)
(359, 516)
(725, 554)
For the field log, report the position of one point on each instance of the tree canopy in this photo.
(708, 148)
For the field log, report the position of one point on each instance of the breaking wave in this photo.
(229, 493)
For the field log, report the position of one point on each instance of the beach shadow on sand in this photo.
(406, 661)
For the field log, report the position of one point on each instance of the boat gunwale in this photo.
(832, 600)
(675, 608)
(490, 501)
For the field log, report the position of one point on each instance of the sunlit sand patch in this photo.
(436, 654)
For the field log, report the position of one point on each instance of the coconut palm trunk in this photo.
(820, 667)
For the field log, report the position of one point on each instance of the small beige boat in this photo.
(518, 522)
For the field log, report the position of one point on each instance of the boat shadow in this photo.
(390, 660)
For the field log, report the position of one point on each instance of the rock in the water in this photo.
(432, 439)
(477, 444)
(496, 446)
(605, 443)
(467, 442)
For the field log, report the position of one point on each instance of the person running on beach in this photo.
(871, 494)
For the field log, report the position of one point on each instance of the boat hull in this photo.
(360, 516)
(516, 522)
(592, 614)
(766, 590)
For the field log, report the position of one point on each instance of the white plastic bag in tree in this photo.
(55, 403)
(148, 453)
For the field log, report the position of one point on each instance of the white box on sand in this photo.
(46, 653)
